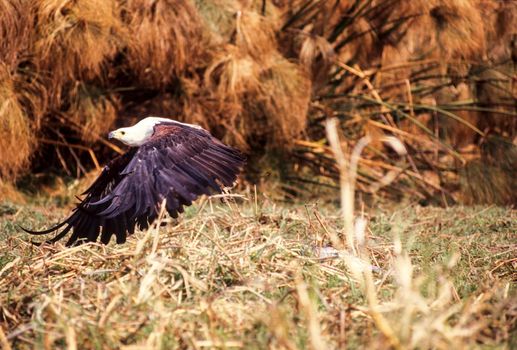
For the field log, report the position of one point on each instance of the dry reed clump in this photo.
(267, 101)
(503, 16)
(447, 31)
(459, 28)
(317, 55)
(408, 68)
(93, 112)
(264, 75)
(16, 133)
(33, 95)
(285, 93)
(75, 39)
(261, 89)
(232, 74)
(166, 40)
(15, 31)
(254, 34)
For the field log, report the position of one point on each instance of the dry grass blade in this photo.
(181, 288)
(309, 310)
(347, 194)
(359, 263)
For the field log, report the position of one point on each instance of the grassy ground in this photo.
(258, 274)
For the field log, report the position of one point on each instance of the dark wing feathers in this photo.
(178, 163)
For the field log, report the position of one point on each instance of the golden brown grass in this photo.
(74, 39)
(166, 40)
(86, 108)
(16, 133)
(408, 69)
(254, 34)
(458, 28)
(14, 31)
(232, 74)
(278, 110)
(264, 76)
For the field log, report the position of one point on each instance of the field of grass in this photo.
(252, 273)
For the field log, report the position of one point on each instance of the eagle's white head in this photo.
(139, 133)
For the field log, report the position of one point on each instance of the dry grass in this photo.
(255, 34)
(249, 271)
(284, 100)
(14, 31)
(167, 39)
(264, 76)
(232, 74)
(458, 28)
(256, 274)
(414, 70)
(74, 39)
(86, 108)
(16, 134)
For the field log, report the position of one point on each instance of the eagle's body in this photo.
(167, 160)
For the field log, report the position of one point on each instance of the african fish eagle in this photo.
(166, 160)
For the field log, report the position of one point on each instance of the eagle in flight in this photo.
(166, 160)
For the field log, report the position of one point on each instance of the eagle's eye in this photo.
(122, 133)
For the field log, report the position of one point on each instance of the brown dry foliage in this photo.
(458, 28)
(86, 109)
(74, 39)
(264, 75)
(317, 56)
(15, 31)
(231, 74)
(283, 101)
(16, 136)
(33, 95)
(166, 38)
(254, 34)
(410, 67)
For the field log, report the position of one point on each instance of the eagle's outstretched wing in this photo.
(178, 163)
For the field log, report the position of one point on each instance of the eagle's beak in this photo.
(111, 135)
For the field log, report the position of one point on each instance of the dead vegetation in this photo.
(264, 76)
(255, 274)
(16, 133)
(166, 40)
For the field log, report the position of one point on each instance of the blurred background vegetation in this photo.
(265, 76)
